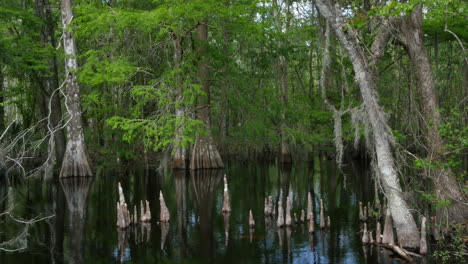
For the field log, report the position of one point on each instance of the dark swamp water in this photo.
(83, 228)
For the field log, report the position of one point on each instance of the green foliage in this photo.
(130, 86)
(438, 203)
(455, 135)
(399, 136)
(450, 13)
(455, 249)
(156, 134)
(393, 8)
(99, 70)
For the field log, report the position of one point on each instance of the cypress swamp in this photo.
(243, 131)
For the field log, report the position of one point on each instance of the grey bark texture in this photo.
(445, 184)
(75, 161)
(381, 134)
(180, 156)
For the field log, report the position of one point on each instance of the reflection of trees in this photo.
(76, 192)
(205, 183)
(334, 197)
(55, 205)
(122, 240)
(226, 217)
(285, 175)
(164, 232)
(181, 199)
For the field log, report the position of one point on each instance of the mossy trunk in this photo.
(381, 134)
(75, 161)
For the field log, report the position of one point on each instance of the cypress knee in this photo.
(226, 201)
(311, 223)
(365, 235)
(388, 230)
(378, 237)
(164, 215)
(280, 221)
(309, 205)
(361, 213)
(322, 216)
(251, 220)
(423, 245)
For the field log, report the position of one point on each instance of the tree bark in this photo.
(75, 161)
(283, 68)
(205, 155)
(445, 184)
(180, 156)
(49, 80)
(405, 225)
(2, 108)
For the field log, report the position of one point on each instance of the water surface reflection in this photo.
(84, 231)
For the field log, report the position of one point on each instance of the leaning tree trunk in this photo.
(75, 161)
(405, 225)
(205, 155)
(445, 184)
(180, 156)
(49, 81)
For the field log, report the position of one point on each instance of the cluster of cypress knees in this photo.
(282, 220)
(125, 218)
(386, 239)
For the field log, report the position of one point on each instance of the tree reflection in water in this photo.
(76, 192)
(205, 184)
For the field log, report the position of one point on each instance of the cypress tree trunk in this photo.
(180, 156)
(283, 67)
(445, 184)
(49, 80)
(205, 154)
(405, 225)
(75, 161)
